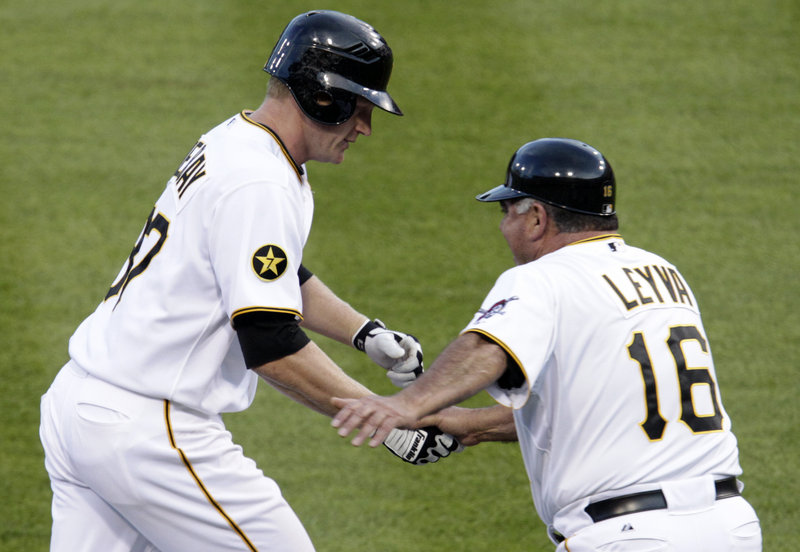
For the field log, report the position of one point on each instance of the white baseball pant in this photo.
(693, 520)
(135, 473)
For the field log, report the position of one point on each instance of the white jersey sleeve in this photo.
(256, 252)
(529, 344)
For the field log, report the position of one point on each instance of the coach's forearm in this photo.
(467, 366)
(475, 425)
(311, 378)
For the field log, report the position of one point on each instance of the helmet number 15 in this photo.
(688, 376)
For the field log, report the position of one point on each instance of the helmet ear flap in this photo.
(330, 106)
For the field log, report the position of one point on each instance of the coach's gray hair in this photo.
(569, 221)
(523, 205)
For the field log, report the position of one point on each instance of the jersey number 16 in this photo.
(688, 376)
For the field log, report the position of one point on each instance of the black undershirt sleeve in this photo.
(265, 336)
(513, 377)
(303, 274)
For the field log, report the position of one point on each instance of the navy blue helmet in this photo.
(330, 59)
(562, 172)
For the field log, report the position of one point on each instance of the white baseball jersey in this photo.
(135, 446)
(225, 237)
(620, 390)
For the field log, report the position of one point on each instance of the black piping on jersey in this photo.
(297, 168)
(511, 356)
(199, 482)
(597, 238)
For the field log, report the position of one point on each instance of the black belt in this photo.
(648, 500)
(643, 502)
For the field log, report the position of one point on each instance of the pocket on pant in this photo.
(634, 545)
(100, 414)
(747, 537)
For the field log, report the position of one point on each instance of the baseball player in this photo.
(213, 295)
(598, 351)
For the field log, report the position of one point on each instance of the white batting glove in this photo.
(421, 446)
(400, 354)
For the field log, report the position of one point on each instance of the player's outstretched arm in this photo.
(326, 314)
(311, 378)
(468, 365)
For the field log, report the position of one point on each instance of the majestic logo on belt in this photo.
(269, 262)
(497, 308)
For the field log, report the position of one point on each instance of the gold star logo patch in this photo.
(269, 262)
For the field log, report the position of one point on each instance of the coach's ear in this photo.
(537, 221)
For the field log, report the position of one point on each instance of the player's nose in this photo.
(363, 118)
(364, 125)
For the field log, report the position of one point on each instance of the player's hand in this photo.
(400, 354)
(421, 446)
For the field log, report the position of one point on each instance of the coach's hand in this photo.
(399, 353)
(421, 446)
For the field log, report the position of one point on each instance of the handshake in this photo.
(401, 356)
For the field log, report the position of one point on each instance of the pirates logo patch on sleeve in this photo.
(269, 262)
(497, 308)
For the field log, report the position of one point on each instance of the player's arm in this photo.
(468, 365)
(326, 314)
(277, 349)
(311, 378)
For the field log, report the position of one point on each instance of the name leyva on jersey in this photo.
(649, 285)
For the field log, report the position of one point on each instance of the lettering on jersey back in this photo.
(649, 285)
(192, 168)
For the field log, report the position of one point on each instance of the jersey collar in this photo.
(297, 168)
(601, 237)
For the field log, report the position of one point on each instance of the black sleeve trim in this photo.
(303, 274)
(514, 376)
(266, 336)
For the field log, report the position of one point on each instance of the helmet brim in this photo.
(501, 193)
(380, 98)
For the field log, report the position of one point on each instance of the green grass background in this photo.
(696, 104)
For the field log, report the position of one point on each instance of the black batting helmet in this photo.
(328, 59)
(562, 172)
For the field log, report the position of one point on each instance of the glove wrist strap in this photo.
(361, 335)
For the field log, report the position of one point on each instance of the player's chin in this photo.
(334, 158)
(335, 155)
(338, 157)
